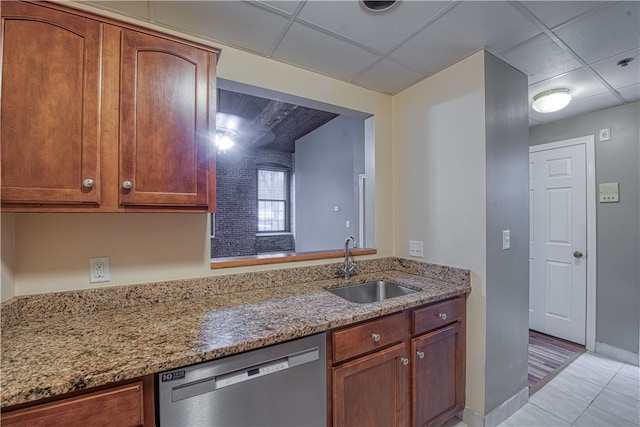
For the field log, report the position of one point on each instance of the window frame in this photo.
(287, 199)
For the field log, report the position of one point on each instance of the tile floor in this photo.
(593, 391)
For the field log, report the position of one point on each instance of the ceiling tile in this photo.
(464, 29)
(630, 93)
(612, 30)
(139, 9)
(541, 57)
(233, 23)
(616, 75)
(579, 82)
(315, 50)
(288, 6)
(389, 76)
(554, 13)
(378, 30)
(577, 107)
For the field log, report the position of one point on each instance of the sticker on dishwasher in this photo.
(169, 376)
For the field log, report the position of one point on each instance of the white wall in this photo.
(439, 188)
(143, 247)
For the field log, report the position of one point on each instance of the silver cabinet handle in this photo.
(127, 185)
(404, 361)
(88, 183)
(376, 337)
(443, 316)
(577, 254)
(420, 354)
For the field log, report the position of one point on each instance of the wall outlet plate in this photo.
(99, 270)
(416, 248)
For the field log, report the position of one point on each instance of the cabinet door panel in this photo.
(372, 390)
(121, 406)
(50, 105)
(165, 128)
(438, 375)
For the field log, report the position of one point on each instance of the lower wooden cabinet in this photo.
(371, 390)
(404, 369)
(437, 376)
(126, 405)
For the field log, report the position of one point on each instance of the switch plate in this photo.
(99, 270)
(604, 135)
(416, 248)
(506, 239)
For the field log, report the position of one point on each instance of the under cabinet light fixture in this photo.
(551, 100)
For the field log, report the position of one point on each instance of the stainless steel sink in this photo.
(371, 291)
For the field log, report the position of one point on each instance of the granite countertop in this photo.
(72, 349)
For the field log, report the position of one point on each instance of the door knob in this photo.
(577, 254)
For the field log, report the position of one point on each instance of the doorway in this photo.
(562, 279)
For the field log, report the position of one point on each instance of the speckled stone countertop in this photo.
(61, 342)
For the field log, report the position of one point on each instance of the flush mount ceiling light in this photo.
(377, 5)
(225, 138)
(551, 100)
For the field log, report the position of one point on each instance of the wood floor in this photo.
(548, 356)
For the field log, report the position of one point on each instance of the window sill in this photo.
(277, 233)
(277, 258)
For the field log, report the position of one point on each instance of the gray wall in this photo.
(507, 208)
(327, 163)
(618, 224)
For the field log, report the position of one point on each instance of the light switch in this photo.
(506, 239)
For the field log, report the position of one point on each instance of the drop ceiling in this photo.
(571, 44)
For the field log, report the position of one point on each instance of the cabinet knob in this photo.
(420, 354)
(443, 316)
(127, 185)
(376, 337)
(88, 183)
(404, 361)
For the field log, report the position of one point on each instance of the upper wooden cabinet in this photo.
(50, 105)
(103, 116)
(164, 115)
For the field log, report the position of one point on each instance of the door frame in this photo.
(591, 258)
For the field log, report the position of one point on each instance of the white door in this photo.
(558, 242)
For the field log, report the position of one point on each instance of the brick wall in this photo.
(236, 206)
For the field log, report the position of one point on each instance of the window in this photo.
(273, 200)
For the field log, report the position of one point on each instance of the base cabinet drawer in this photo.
(128, 405)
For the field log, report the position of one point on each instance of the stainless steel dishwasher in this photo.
(280, 385)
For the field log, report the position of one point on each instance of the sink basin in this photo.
(371, 291)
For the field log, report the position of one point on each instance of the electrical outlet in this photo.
(415, 248)
(99, 270)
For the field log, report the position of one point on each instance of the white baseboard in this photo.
(617, 353)
(497, 415)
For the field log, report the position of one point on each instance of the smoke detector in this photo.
(377, 5)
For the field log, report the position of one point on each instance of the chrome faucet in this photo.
(349, 266)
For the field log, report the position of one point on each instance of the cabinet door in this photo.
(372, 390)
(167, 138)
(50, 105)
(438, 375)
(121, 406)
